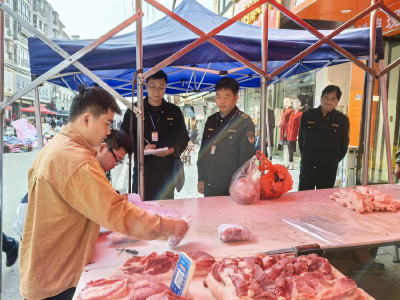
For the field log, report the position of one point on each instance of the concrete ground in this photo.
(381, 284)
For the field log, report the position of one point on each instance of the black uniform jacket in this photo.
(323, 140)
(171, 133)
(234, 146)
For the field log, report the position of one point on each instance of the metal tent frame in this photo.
(203, 37)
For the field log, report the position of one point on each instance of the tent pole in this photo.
(1, 133)
(389, 68)
(264, 129)
(323, 39)
(38, 119)
(68, 58)
(384, 99)
(139, 95)
(369, 97)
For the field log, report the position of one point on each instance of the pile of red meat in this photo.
(146, 266)
(113, 289)
(140, 277)
(280, 277)
(363, 199)
(151, 289)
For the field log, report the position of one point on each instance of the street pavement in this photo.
(16, 166)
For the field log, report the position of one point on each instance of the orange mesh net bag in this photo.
(276, 181)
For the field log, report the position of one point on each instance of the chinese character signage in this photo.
(389, 26)
(21, 82)
(254, 18)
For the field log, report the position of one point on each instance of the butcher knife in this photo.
(299, 250)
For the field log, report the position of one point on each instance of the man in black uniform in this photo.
(323, 141)
(228, 142)
(164, 126)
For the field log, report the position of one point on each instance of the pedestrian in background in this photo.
(10, 248)
(228, 141)
(323, 141)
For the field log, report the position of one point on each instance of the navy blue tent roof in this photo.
(116, 58)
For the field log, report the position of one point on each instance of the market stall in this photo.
(275, 235)
(345, 229)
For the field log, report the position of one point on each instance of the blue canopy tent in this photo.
(115, 60)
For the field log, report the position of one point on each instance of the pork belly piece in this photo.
(104, 289)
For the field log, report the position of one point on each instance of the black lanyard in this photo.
(151, 119)
(216, 126)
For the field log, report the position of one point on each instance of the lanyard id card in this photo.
(213, 147)
(154, 136)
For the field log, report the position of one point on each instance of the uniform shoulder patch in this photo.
(342, 114)
(250, 137)
(245, 116)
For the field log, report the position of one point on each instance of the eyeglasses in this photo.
(112, 152)
(153, 88)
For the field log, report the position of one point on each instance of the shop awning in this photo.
(43, 110)
(116, 58)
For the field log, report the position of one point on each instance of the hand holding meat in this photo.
(181, 227)
(175, 240)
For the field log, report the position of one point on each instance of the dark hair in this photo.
(119, 139)
(94, 100)
(158, 75)
(228, 83)
(332, 88)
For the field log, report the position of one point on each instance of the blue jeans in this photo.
(9, 244)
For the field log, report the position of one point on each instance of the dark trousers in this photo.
(214, 191)
(158, 184)
(66, 295)
(320, 177)
(9, 244)
(292, 149)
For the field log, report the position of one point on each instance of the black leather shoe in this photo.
(12, 257)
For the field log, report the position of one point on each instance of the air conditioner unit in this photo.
(10, 32)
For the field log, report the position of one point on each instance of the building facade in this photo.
(44, 18)
(330, 14)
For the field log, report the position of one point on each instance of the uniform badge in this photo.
(210, 129)
(335, 125)
(245, 116)
(250, 136)
(232, 130)
(170, 119)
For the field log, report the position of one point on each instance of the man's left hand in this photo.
(164, 154)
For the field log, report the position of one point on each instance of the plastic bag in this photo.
(233, 232)
(245, 183)
(276, 181)
(325, 229)
(174, 241)
(116, 237)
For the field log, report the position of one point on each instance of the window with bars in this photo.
(22, 56)
(24, 11)
(56, 34)
(7, 21)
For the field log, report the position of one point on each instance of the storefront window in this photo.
(294, 89)
(378, 161)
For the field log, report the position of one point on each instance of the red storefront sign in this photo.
(389, 26)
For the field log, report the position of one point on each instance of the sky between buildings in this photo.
(92, 18)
